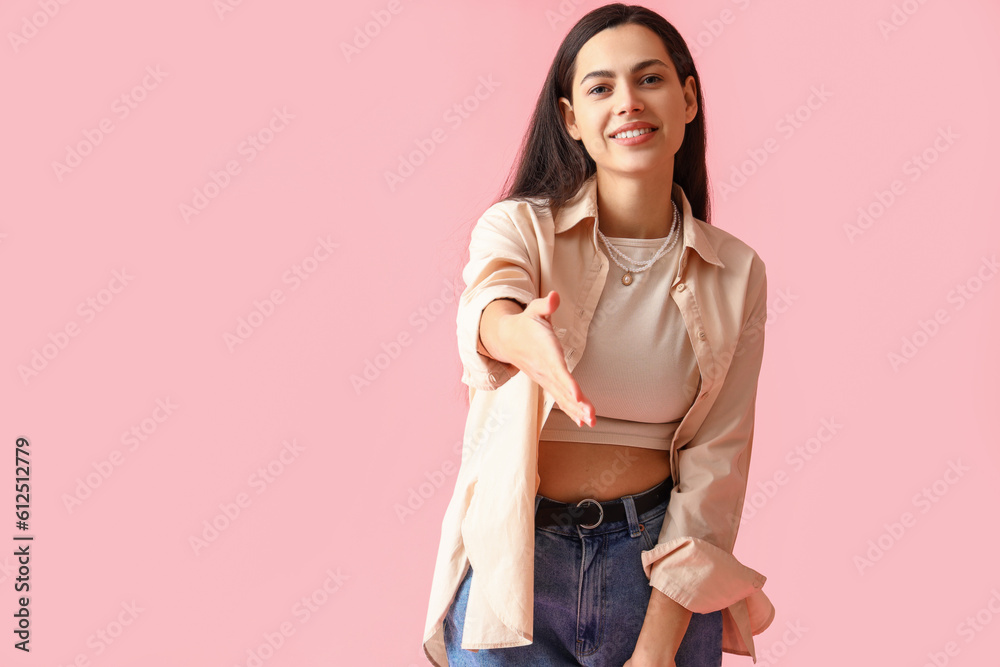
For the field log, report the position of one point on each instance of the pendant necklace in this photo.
(668, 244)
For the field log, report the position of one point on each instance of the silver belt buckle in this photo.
(600, 517)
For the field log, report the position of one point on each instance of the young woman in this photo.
(612, 340)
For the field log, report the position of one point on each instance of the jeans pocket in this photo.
(651, 530)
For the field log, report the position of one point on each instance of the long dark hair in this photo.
(551, 165)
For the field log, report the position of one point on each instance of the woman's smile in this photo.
(633, 137)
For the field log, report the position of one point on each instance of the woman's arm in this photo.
(489, 325)
(692, 565)
(662, 631)
(523, 338)
(503, 263)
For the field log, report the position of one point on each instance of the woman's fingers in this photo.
(568, 394)
(544, 359)
(582, 410)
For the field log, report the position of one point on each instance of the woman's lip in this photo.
(630, 141)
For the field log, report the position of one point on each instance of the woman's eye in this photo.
(596, 90)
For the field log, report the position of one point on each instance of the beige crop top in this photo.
(638, 367)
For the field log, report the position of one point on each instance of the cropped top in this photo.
(638, 369)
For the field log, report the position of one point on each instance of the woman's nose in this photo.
(630, 100)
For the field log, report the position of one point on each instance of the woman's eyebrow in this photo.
(606, 73)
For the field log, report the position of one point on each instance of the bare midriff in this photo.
(572, 471)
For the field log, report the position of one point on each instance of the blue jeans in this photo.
(591, 595)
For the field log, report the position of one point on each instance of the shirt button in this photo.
(493, 378)
(680, 287)
(701, 334)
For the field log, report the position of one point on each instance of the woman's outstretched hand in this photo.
(530, 343)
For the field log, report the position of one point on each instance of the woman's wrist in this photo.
(664, 627)
(490, 330)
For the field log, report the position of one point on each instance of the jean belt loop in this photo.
(632, 515)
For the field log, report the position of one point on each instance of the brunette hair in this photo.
(552, 166)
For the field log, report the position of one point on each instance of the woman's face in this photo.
(609, 92)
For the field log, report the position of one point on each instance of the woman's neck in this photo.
(635, 207)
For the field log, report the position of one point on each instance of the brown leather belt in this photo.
(590, 513)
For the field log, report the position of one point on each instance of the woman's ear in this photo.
(569, 118)
(690, 99)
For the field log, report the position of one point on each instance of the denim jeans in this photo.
(590, 596)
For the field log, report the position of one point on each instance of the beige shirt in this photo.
(519, 250)
(639, 369)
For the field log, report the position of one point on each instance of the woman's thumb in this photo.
(548, 304)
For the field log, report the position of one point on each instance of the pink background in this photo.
(114, 515)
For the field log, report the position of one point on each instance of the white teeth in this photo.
(633, 133)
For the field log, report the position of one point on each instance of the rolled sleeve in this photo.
(692, 562)
(502, 263)
(698, 575)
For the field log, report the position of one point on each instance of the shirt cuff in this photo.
(479, 370)
(698, 575)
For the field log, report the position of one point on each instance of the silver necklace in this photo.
(668, 244)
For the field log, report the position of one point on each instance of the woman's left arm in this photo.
(691, 568)
(661, 633)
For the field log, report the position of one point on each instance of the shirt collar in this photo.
(583, 205)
